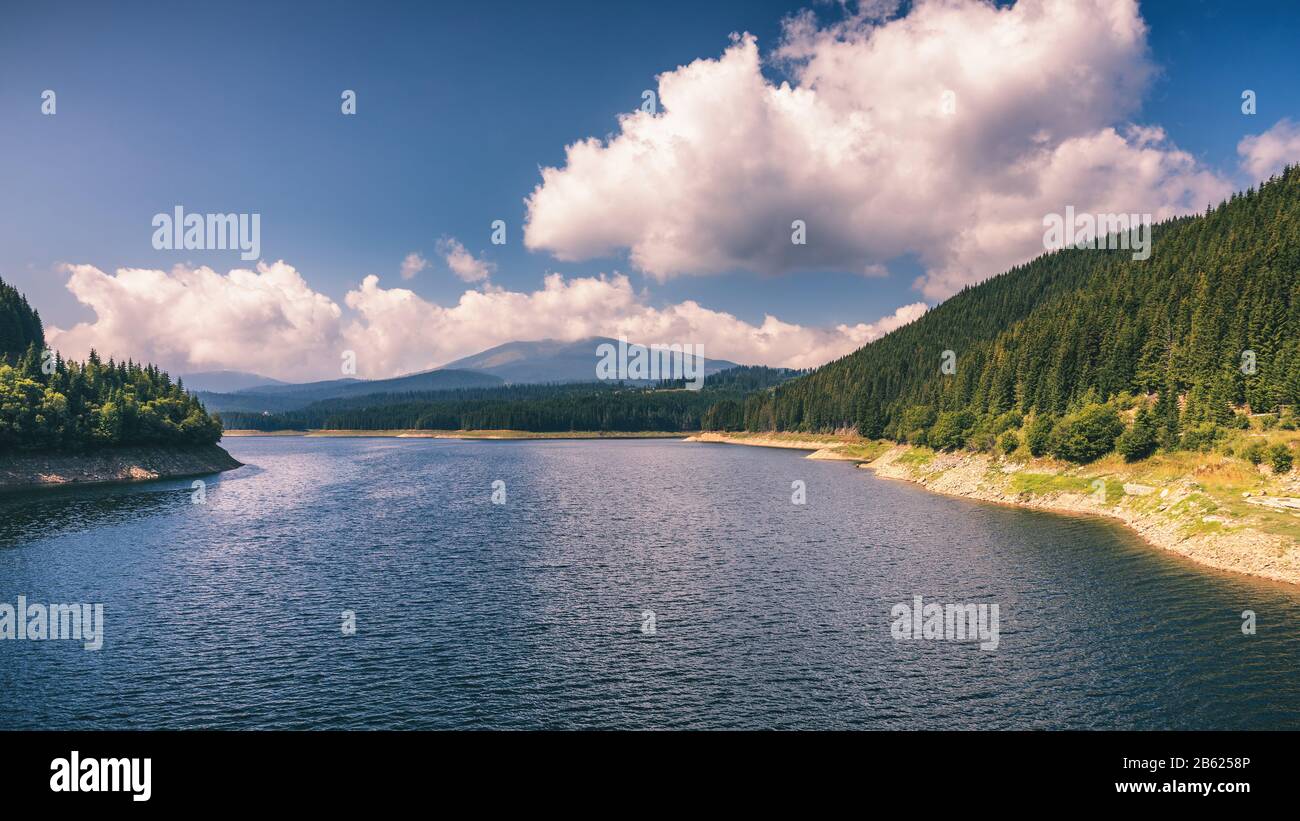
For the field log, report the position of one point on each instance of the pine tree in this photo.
(1140, 439)
(871, 423)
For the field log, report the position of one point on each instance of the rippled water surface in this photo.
(529, 614)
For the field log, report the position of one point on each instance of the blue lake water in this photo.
(530, 614)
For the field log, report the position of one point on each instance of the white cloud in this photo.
(462, 263)
(946, 134)
(1264, 155)
(862, 333)
(398, 331)
(413, 264)
(271, 322)
(266, 320)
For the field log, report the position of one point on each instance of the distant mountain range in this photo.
(226, 381)
(550, 360)
(518, 363)
(274, 398)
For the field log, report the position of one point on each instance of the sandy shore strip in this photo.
(1175, 513)
(823, 446)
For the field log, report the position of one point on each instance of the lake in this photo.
(621, 584)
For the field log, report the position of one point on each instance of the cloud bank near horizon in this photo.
(270, 321)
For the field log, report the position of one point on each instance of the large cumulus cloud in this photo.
(267, 320)
(945, 134)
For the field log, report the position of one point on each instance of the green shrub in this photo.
(950, 429)
(1202, 437)
(1280, 456)
(1007, 421)
(1139, 441)
(1087, 434)
(913, 424)
(1009, 442)
(1039, 435)
(1254, 452)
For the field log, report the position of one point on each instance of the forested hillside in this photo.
(47, 403)
(1175, 335)
(20, 326)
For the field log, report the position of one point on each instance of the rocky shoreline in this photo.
(1171, 516)
(111, 466)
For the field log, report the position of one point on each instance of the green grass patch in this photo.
(867, 451)
(1037, 484)
(1199, 527)
(917, 456)
(1114, 491)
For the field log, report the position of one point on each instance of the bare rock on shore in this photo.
(26, 471)
(1232, 546)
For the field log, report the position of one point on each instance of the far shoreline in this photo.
(239, 433)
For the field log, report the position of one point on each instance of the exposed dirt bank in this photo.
(116, 465)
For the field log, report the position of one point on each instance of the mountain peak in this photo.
(550, 360)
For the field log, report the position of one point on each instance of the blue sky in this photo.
(236, 109)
